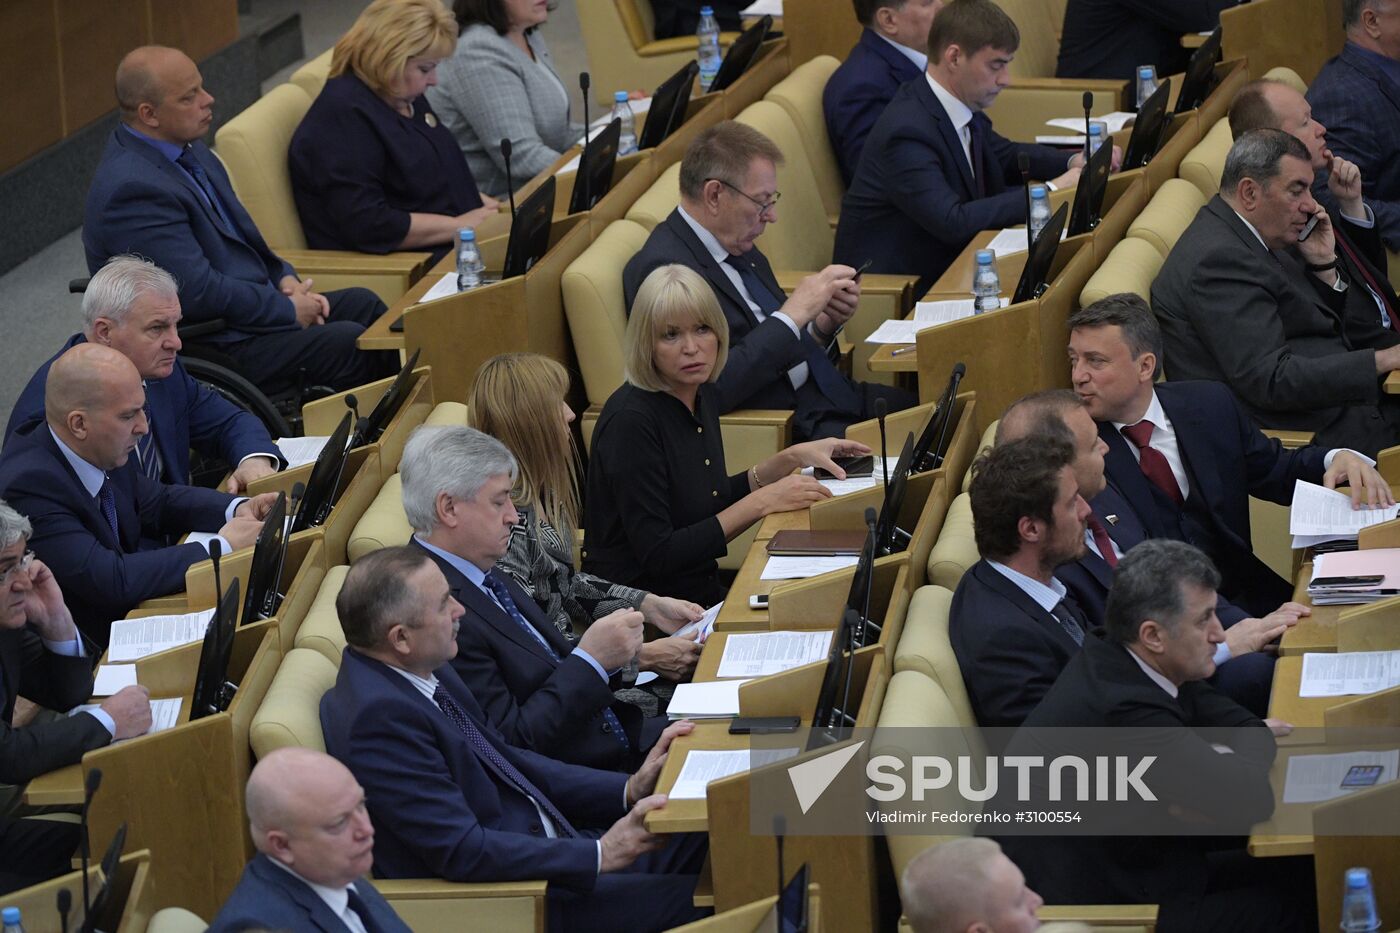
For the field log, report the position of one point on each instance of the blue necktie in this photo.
(497, 762)
(1073, 627)
(361, 909)
(819, 366)
(107, 502)
(146, 448)
(507, 602)
(190, 164)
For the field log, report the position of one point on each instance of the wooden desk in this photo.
(690, 816)
(1193, 40)
(1391, 386)
(1285, 704)
(736, 616)
(378, 336)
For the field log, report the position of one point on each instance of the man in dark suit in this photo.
(315, 846)
(133, 306)
(159, 192)
(1111, 38)
(779, 345)
(1243, 302)
(75, 477)
(537, 689)
(1337, 185)
(893, 49)
(1357, 94)
(1012, 625)
(1145, 681)
(452, 800)
(43, 656)
(1113, 527)
(934, 173)
(1187, 456)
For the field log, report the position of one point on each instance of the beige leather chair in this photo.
(311, 77)
(320, 631)
(955, 551)
(924, 646)
(983, 443)
(1289, 77)
(1131, 267)
(1205, 163)
(800, 95)
(1167, 215)
(176, 920)
(622, 51)
(253, 147)
(384, 523)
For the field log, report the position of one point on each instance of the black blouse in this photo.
(656, 484)
(359, 168)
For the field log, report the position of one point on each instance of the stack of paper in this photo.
(1013, 240)
(841, 487)
(1319, 514)
(1115, 121)
(773, 8)
(300, 451)
(1371, 563)
(926, 314)
(717, 699)
(800, 568)
(1349, 673)
(133, 639)
(1060, 140)
(447, 285)
(703, 766)
(1315, 778)
(112, 678)
(763, 653)
(164, 714)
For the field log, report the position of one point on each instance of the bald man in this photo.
(91, 505)
(967, 886)
(160, 193)
(315, 845)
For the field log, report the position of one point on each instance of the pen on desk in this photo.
(902, 350)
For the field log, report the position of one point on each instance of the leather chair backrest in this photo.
(1205, 162)
(638, 19)
(1039, 51)
(320, 631)
(657, 202)
(593, 303)
(253, 147)
(1130, 267)
(176, 920)
(384, 523)
(802, 240)
(800, 95)
(955, 551)
(983, 443)
(1289, 77)
(311, 77)
(924, 646)
(1167, 215)
(290, 714)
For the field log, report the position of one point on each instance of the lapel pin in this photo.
(1111, 519)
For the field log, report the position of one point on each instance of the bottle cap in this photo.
(1358, 877)
(707, 11)
(1038, 191)
(466, 234)
(985, 257)
(620, 97)
(1145, 71)
(1095, 129)
(10, 915)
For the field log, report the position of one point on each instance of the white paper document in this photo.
(773, 8)
(703, 766)
(1318, 510)
(704, 625)
(1349, 673)
(842, 487)
(133, 639)
(901, 331)
(113, 677)
(1314, 778)
(164, 714)
(447, 285)
(800, 568)
(716, 699)
(763, 653)
(1013, 240)
(1115, 121)
(1060, 140)
(300, 451)
(926, 314)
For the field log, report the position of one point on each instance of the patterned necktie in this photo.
(361, 909)
(1104, 542)
(107, 502)
(1371, 283)
(497, 762)
(499, 589)
(190, 164)
(1072, 626)
(146, 453)
(1154, 465)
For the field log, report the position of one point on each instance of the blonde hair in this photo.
(516, 399)
(669, 295)
(390, 32)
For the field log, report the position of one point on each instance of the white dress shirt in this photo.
(337, 899)
(919, 59)
(1152, 674)
(1046, 597)
(959, 114)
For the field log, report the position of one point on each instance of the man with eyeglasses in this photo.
(42, 656)
(779, 345)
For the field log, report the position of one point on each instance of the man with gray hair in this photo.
(541, 691)
(133, 306)
(1253, 296)
(967, 886)
(43, 656)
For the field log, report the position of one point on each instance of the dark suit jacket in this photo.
(1009, 649)
(913, 206)
(534, 701)
(103, 577)
(856, 95)
(268, 898)
(1102, 687)
(1295, 353)
(1360, 106)
(184, 414)
(438, 809)
(53, 681)
(755, 374)
(141, 202)
(1111, 38)
(1227, 460)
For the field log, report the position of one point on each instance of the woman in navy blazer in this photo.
(373, 169)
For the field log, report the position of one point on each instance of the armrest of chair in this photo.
(431, 904)
(1291, 439)
(1388, 465)
(388, 276)
(680, 44)
(1102, 915)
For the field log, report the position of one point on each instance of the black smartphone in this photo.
(397, 326)
(1362, 776)
(1365, 580)
(1307, 230)
(763, 725)
(863, 266)
(854, 467)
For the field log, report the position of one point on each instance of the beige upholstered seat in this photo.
(290, 713)
(622, 51)
(447, 414)
(983, 444)
(924, 646)
(320, 631)
(956, 549)
(1288, 76)
(383, 524)
(800, 95)
(1205, 163)
(1130, 267)
(176, 920)
(1167, 215)
(311, 77)
(657, 201)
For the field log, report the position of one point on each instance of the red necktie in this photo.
(1154, 465)
(1104, 542)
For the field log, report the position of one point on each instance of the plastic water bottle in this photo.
(1358, 903)
(986, 284)
(1146, 83)
(627, 140)
(10, 916)
(469, 264)
(1095, 137)
(708, 55)
(1040, 210)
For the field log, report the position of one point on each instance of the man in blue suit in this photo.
(934, 173)
(1357, 94)
(1187, 456)
(133, 306)
(75, 478)
(159, 192)
(892, 50)
(315, 844)
(452, 800)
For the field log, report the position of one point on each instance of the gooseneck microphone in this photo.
(582, 176)
(65, 904)
(1023, 162)
(510, 179)
(880, 409)
(356, 436)
(1088, 136)
(90, 785)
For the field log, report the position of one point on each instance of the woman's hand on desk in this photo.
(823, 453)
(1368, 489)
(673, 658)
(789, 494)
(130, 709)
(668, 613)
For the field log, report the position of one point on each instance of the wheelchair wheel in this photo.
(240, 392)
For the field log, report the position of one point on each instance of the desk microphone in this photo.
(216, 550)
(582, 176)
(880, 409)
(356, 436)
(1023, 162)
(1088, 135)
(510, 182)
(779, 831)
(65, 904)
(90, 785)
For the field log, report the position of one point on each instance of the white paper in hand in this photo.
(112, 678)
(1317, 510)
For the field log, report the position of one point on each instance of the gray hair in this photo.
(119, 283)
(13, 525)
(454, 460)
(1258, 154)
(1149, 584)
(1352, 9)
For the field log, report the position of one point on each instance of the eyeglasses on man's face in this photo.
(763, 207)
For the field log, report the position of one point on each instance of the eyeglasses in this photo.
(22, 564)
(762, 207)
